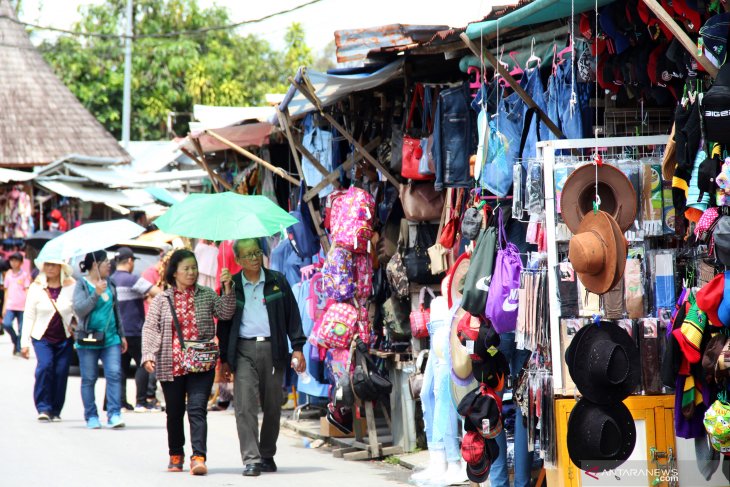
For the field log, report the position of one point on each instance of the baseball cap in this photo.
(124, 253)
(472, 448)
(715, 37)
(688, 13)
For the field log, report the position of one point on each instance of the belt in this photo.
(256, 339)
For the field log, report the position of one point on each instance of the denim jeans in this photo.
(51, 375)
(191, 392)
(499, 475)
(454, 138)
(10, 315)
(111, 359)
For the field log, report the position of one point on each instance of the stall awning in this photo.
(128, 198)
(536, 12)
(13, 176)
(212, 117)
(247, 135)
(330, 88)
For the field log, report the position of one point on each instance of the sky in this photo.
(319, 20)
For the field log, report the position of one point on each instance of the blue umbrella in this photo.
(89, 237)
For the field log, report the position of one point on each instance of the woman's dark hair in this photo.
(177, 257)
(99, 256)
(16, 256)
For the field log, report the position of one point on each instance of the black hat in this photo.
(124, 253)
(709, 170)
(487, 341)
(603, 361)
(480, 404)
(600, 438)
(479, 472)
(491, 370)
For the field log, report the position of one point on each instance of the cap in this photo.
(124, 253)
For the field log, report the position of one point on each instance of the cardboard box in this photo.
(326, 429)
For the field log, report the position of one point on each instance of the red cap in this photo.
(466, 330)
(56, 214)
(710, 297)
(472, 447)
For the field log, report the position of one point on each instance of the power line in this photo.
(179, 33)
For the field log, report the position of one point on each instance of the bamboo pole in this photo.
(211, 174)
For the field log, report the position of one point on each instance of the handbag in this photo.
(421, 202)
(415, 380)
(396, 318)
(412, 152)
(198, 355)
(503, 300)
(416, 259)
(427, 166)
(421, 317)
(438, 256)
(451, 228)
(476, 282)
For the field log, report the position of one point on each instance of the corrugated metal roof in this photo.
(355, 44)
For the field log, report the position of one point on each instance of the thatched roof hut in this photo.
(40, 119)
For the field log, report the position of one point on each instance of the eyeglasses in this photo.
(253, 255)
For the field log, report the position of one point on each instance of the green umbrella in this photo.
(225, 216)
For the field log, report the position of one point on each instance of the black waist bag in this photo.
(715, 108)
(367, 384)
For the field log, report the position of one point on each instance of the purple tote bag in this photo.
(502, 299)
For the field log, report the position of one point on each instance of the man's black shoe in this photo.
(267, 465)
(127, 406)
(251, 470)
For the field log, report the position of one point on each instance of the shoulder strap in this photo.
(53, 302)
(176, 322)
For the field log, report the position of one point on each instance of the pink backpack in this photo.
(338, 275)
(363, 325)
(338, 324)
(317, 299)
(352, 220)
(363, 267)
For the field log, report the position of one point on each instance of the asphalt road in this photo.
(67, 454)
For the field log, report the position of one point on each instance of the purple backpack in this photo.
(338, 275)
(503, 298)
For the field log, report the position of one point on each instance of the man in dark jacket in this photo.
(254, 348)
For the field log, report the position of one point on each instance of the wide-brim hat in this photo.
(603, 361)
(479, 472)
(460, 357)
(622, 252)
(617, 194)
(593, 252)
(452, 286)
(459, 388)
(65, 267)
(600, 437)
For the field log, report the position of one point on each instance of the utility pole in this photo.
(127, 103)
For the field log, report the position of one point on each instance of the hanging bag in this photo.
(421, 202)
(338, 275)
(198, 355)
(338, 325)
(427, 166)
(412, 151)
(416, 259)
(422, 316)
(502, 301)
(451, 228)
(496, 175)
(481, 264)
(395, 271)
(415, 380)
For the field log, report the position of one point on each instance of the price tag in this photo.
(470, 347)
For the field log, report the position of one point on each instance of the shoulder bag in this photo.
(479, 274)
(422, 316)
(198, 355)
(416, 258)
(421, 202)
(503, 301)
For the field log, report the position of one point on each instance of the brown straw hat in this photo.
(593, 251)
(617, 194)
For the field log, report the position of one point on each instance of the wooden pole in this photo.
(201, 161)
(305, 152)
(284, 122)
(513, 84)
(276, 170)
(309, 95)
(211, 174)
(682, 36)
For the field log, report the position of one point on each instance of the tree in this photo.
(170, 74)
(326, 59)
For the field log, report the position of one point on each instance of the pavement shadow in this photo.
(281, 472)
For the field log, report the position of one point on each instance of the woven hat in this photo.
(452, 287)
(603, 361)
(617, 194)
(600, 437)
(593, 252)
(461, 367)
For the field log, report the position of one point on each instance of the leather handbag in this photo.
(451, 228)
(439, 261)
(421, 202)
(198, 355)
(416, 258)
(415, 380)
(421, 317)
(412, 151)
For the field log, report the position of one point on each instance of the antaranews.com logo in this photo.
(628, 477)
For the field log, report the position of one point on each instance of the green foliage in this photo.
(171, 74)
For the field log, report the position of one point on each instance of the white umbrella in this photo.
(89, 237)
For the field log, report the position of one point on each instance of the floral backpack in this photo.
(363, 273)
(352, 220)
(363, 325)
(337, 327)
(338, 275)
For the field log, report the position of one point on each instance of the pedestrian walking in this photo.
(185, 310)
(48, 326)
(254, 347)
(16, 283)
(132, 290)
(100, 335)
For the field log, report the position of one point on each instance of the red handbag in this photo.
(453, 226)
(421, 317)
(412, 151)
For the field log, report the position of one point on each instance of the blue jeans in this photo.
(111, 359)
(10, 315)
(51, 375)
(454, 138)
(439, 415)
(499, 475)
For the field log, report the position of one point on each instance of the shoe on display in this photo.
(176, 463)
(115, 422)
(44, 417)
(197, 466)
(435, 469)
(267, 465)
(93, 423)
(455, 474)
(251, 470)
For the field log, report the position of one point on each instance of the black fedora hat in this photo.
(603, 361)
(600, 438)
(480, 471)
(479, 405)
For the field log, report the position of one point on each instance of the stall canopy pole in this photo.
(201, 161)
(284, 122)
(682, 36)
(214, 176)
(513, 84)
(276, 170)
(309, 95)
(312, 158)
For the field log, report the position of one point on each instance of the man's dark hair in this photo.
(242, 241)
(177, 257)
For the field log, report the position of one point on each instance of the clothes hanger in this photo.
(565, 51)
(505, 66)
(555, 59)
(533, 57)
(476, 83)
(517, 71)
